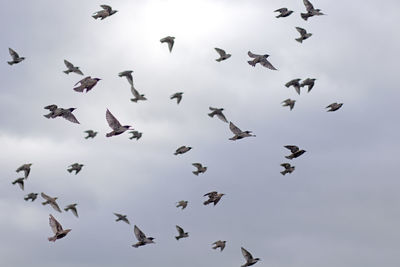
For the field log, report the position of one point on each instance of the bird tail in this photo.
(289, 157)
(79, 89)
(304, 16)
(177, 237)
(300, 40)
(10, 63)
(251, 62)
(206, 202)
(87, 137)
(52, 239)
(109, 134)
(48, 115)
(195, 173)
(135, 245)
(176, 153)
(211, 115)
(283, 172)
(69, 170)
(66, 71)
(134, 100)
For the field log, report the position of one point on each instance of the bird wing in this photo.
(69, 117)
(285, 165)
(68, 64)
(13, 54)
(308, 5)
(51, 107)
(89, 131)
(252, 55)
(292, 149)
(55, 206)
(287, 101)
(139, 234)
(220, 51)
(301, 31)
(221, 117)
(112, 121)
(180, 230)
(332, 105)
(55, 225)
(283, 9)
(197, 165)
(106, 8)
(234, 129)
(213, 109)
(74, 211)
(84, 80)
(264, 62)
(78, 71)
(46, 196)
(135, 92)
(211, 194)
(170, 44)
(247, 255)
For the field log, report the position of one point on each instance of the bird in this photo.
(121, 217)
(137, 95)
(219, 244)
(170, 41)
(288, 168)
(178, 97)
(61, 112)
(296, 152)
(262, 59)
(128, 75)
(86, 83)
(75, 167)
(58, 231)
(222, 54)
(90, 134)
(71, 68)
(249, 258)
(142, 238)
(283, 12)
(217, 112)
(289, 103)
(72, 207)
(182, 150)
(213, 197)
(135, 135)
(31, 196)
(303, 34)
(295, 83)
(26, 168)
(181, 233)
(20, 182)
(182, 204)
(309, 83)
(334, 106)
(114, 124)
(15, 57)
(238, 134)
(200, 168)
(51, 201)
(311, 11)
(104, 13)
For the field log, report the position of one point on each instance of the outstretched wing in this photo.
(55, 225)
(292, 149)
(68, 64)
(84, 80)
(283, 9)
(301, 31)
(234, 129)
(140, 236)
(13, 54)
(180, 230)
(308, 5)
(220, 51)
(265, 63)
(252, 55)
(112, 121)
(70, 117)
(211, 194)
(247, 255)
(106, 8)
(197, 165)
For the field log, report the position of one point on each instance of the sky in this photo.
(338, 208)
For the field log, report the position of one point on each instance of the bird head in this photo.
(71, 109)
(128, 127)
(97, 79)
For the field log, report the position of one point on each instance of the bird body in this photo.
(219, 244)
(249, 258)
(283, 12)
(288, 168)
(213, 197)
(61, 112)
(104, 13)
(334, 106)
(296, 152)
(182, 204)
(90, 134)
(128, 75)
(262, 59)
(86, 83)
(15, 57)
(20, 182)
(137, 95)
(121, 217)
(170, 41)
(200, 168)
(311, 11)
(182, 150)
(57, 229)
(309, 83)
(135, 135)
(31, 196)
(295, 83)
(289, 103)
(26, 168)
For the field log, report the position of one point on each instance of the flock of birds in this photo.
(88, 83)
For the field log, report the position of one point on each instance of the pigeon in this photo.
(262, 59)
(72, 207)
(283, 12)
(182, 204)
(222, 54)
(334, 106)
(249, 258)
(86, 83)
(137, 95)
(311, 11)
(289, 103)
(170, 41)
(135, 135)
(182, 150)
(15, 57)
(26, 168)
(141, 237)
(71, 68)
(20, 182)
(178, 97)
(106, 12)
(308, 82)
(238, 134)
(90, 134)
(219, 244)
(217, 112)
(114, 124)
(296, 152)
(288, 168)
(51, 201)
(128, 75)
(75, 167)
(31, 196)
(61, 112)
(295, 83)
(213, 197)
(121, 218)
(58, 231)
(303, 34)
(200, 168)
(181, 233)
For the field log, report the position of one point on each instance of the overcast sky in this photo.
(338, 208)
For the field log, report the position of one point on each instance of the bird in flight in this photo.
(61, 112)
(178, 97)
(222, 54)
(121, 217)
(26, 168)
(15, 57)
(86, 83)
(181, 233)
(217, 112)
(141, 237)
(75, 167)
(115, 125)
(262, 59)
(296, 152)
(303, 34)
(249, 258)
(170, 41)
(311, 11)
(238, 134)
(283, 12)
(72, 208)
(200, 168)
(104, 13)
(289, 103)
(71, 68)
(57, 229)
(90, 134)
(51, 201)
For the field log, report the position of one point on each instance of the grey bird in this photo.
(90, 134)
(114, 124)
(238, 134)
(217, 112)
(104, 13)
(288, 168)
(71, 68)
(15, 57)
(182, 150)
(135, 135)
(72, 208)
(121, 217)
(170, 41)
(31, 196)
(26, 168)
(289, 103)
(51, 201)
(222, 54)
(283, 12)
(295, 83)
(75, 167)
(219, 244)
(20, 182)
(303, 34)
(178, 97)
(311, 11)
(200, 168)
(334, 106)
(262, 59)
(141, 237)
(182, 204)
(249, 258)
(128, 75)
(57, 229)
(296, 152)
(213, 197)
(309, 83)
(137, 95)
(181, 233)
(61, 112)
(86, 83)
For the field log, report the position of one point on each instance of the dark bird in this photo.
(135, 135)
(262, 59)
(178, 97)
(200, 168)
(75, 167)
(15, 57)
(137, 95)
(170, 41)
(51, 201)
(90, 134)
(86, 83)
(61, 112)
(181, 233)
(182, 150)
(141, 237)
(217, 112)
(249, 258)
(296, 152)
(219, 244)
(311, 11)
(213, 197)
(26, 168)
(238, 134)
(182, 204)
(20, 182)
(222, 54)
(288, 168)
(58, 231)
(31, 196)
(309, 83)
(73, 209)
(104, 13)
(71, 68)
(283, 12)
(303, 34)
(289, 103)
(121, 217)
(295, 83)
(334, 106)
(114, 124)
(128, 75)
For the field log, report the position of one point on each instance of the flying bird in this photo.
(135, 135)
(182, 204)
(309, 83)
(219, 244)
(296, 152)
(238, 134)
(283, 12)
(57, 229)
(15, 57)
(31, 196)
(71, 68)
(61, 112)
(137, 95)
(213, 197)
(170, 41)
(249, 258)
(20, 182)
(128, 75)
(217, 112)
(181, 233)
(182, 150)
(51, 201)
(26, 168)
(121, 217)
(75, 167)
(222, 54)
(114, 124)
(334, 106)
(104, 13)
(311, 11)
(288, 168)
(72, 208)
(200, 168)
(289, 103)
(142, 238)
(295, 83)
(262, 59)
(86, 83)
(178, 97)
(90, 134)
(303, 34)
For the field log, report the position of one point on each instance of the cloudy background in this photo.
(339, 207)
